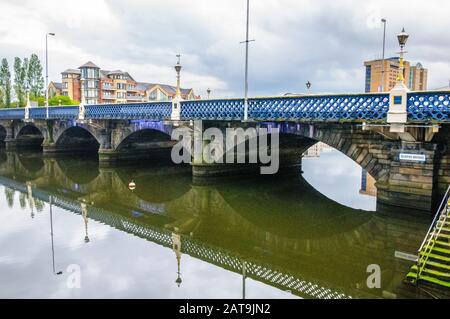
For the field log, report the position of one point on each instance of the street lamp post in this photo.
(247, 41)
(178, 70)
(46, 70)
(402, 39)
(383, 71)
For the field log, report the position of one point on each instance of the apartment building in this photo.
(416, 76)
(107, 87)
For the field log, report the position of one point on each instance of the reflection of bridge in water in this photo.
(293, 238)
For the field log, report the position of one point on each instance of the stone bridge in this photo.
(402, 141)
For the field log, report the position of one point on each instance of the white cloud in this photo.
(324, 42)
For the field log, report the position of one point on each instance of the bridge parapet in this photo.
(12, 114)
(422, 107)
(429, 106)
(135, 111)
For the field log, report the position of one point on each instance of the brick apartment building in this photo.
(108, 87)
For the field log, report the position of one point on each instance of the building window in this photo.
(368, 77)
(153, 95)
(89, 73)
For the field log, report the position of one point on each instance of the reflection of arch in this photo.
(143, 139)
(164, 190)
(2, 135)
(30, 136)
(77, 138)
(304, 208)
(33, 163)
(81, 172)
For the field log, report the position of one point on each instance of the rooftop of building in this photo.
(57, 85)
(168, 88)
(71, 71)
(89, 64)
(395, 59)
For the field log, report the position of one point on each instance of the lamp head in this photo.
(402, 37)
(308, 85)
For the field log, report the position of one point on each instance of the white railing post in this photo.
(398, 115)
(81, 112)
(176, 108)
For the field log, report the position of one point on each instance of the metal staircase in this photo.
(433, 264)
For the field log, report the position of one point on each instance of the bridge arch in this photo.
(30, 136)
(361, 155)
(368, 149)
(143, 139)
(77, 138)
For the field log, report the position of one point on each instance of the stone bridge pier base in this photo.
(410, 184)
(290, 160)
(152, 153)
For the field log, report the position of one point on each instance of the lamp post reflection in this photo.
(84, 213)
(244, 276)
(176, 246)
(51, 234)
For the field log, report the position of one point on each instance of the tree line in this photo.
(27, 79)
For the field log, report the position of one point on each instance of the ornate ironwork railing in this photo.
(135, 111)
(12, 114)
(429, 106)
(421, 106)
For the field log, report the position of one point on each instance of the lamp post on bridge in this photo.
(247, 41)
(178, 68)
(176, 101)
(46, 69)
(398, 116)
(402, 39)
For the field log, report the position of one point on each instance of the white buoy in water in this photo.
(132, 185)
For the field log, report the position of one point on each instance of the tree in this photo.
(34, 76)
(61, 100)
(5, 84)
(20, 80)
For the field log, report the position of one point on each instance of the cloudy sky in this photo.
(323, 41)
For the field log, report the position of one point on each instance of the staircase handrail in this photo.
(432, 236)
(439, 212)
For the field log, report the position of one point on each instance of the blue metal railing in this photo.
(134, 111)
(429, 106)
(422, 107)
(12, 114)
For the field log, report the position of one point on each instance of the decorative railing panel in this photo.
(138, 111)
(12, 114)
(429, 106)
